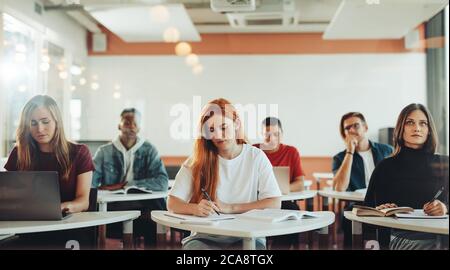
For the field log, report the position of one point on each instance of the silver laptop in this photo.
(30, 195)
(283, 179)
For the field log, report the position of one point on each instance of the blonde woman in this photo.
(237, 176)
(41, 145)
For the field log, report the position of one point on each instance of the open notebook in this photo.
(276, 215)
(418, 214)
(189, 219)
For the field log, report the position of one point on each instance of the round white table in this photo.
(249, 230)
(299, 195)
(77, 220)
(103, 198)
(343, 195)
(436, 226)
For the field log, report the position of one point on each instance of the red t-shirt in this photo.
(286, 156)
(81, 163)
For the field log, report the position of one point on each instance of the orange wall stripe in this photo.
(254, 44)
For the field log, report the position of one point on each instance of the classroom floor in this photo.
(174, 243)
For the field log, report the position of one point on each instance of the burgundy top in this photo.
(80, 158)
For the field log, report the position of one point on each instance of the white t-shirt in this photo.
(369, 164)
(246, 178)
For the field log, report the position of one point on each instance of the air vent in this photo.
(269, 13)
(233, 5)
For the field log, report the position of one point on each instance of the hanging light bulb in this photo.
(197, 69)
(171, 34)
(159, 14)
(192, 59)
(73, 88)
(116, 95)
(95, 86)
(63, 74)
(183, 49)
(45, 58)
(82, 81)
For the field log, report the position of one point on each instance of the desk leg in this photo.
(102, 207)
(324, 203)
(128, 234)
(323, 238)
(309, 234)
(161, 233)
(249, 244)
(357, 241)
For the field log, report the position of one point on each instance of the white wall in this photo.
(312, 92)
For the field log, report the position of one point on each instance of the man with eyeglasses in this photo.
(353, 167)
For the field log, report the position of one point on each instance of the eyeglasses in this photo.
(355, 126)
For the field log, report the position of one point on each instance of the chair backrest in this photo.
(93, 200)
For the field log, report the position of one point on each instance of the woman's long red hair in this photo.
(205, 161)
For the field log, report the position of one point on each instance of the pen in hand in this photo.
(438, 193)
(209, 199)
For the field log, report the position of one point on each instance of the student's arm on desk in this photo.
(237, 208)
(297, 184)
(202, 209)
(81, 202)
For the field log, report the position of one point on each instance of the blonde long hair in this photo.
(27, 146)
(205, 161)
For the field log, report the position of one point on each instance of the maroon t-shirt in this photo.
(80, 158)
(286, 156)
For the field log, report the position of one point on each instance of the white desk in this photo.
(436, 226)
(104, 198)
(78, 220)
(171, 183)
(343, 195)
(299, 195)
(249, 230)
(323, 175)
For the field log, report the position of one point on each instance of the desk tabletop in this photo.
(78, 220)
(323, 175)
(299, 195)
(107, 197)
(246, 228)
(343, 195)
(438, 226)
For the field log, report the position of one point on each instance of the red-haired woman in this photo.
(238, 176)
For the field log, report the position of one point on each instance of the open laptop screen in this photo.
(29, 195)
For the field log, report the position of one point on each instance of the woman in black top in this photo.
(412, 176)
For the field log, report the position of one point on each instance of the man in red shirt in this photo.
(281, 154)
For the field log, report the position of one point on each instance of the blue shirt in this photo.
(357, 175)
(148, 169)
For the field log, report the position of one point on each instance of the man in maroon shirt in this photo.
(282, 155)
